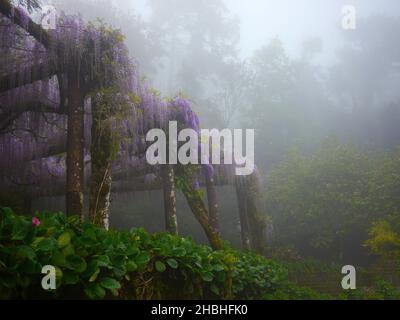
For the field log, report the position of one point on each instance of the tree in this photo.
(285, 103)
(316, 201)
(143, 43)
(199, 41)
(365, 79)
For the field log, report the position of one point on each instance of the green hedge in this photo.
(96, 264)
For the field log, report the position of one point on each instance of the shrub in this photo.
(94, 263)
(324, 204)
(380, 290)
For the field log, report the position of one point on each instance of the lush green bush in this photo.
(94, 263)
(324, 204)
(380, 290)
(294, 292)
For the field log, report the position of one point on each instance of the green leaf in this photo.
(131, 266)
(6, 212)
(110, 283)
(68, 250)
(76, 263)
(179, 252)
(31, 267)
(7, 281)
(47, 244)
(219, 267)
(90, 269)
(103, 261)
(160, 266)
(20, 229)
(207, 276)
(142, 259)
(59, 273)
(64, 240)
(94, 276)
(215, 289)
(119, 272)
(70, 278)
(95, 291)
(172, 263)
(58, 259)
(26, 252)
(82, 252)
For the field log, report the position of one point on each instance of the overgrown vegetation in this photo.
(338, 206)
(96, 264)
(324, 205)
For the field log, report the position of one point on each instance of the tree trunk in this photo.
(199, 210)
(168, 177)
(75, 147)
(244, 225)
(256, 222)
(253, 224)
(101, 163)
(212, 202)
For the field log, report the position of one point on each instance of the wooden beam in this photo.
(28, 75)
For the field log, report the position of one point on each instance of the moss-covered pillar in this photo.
(253, 223)
(101, 150)
(242, 206)
(168, 181)
(256, 220)
(196, 204)
(212, 200)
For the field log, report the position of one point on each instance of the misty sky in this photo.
(294, 20)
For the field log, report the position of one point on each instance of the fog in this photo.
(190, 47)
(318, 85)
(287, 69)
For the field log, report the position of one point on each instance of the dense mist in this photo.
(317, 81)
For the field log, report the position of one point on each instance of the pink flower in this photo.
(35, 221)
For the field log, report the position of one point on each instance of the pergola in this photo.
(74, 113)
